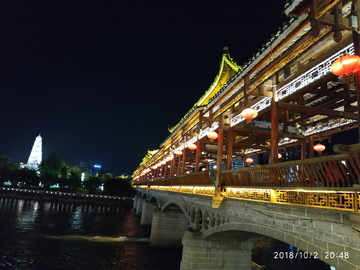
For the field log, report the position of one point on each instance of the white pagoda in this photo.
(35, 157)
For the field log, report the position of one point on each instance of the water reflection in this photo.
(57, 235)
(76, 219)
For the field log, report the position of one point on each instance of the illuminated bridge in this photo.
(271, 149)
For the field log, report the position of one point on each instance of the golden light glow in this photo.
(249, 160)
(212, 135)
(346, 64)
(319, 148)
(192, 146)
(249, 114)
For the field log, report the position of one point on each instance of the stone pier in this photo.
(168, 228)
(147, 213)
(224, 253)
(135, 201)
(139, 206)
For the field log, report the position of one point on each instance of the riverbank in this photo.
(64, 196)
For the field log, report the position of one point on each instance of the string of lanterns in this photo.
(344, 66)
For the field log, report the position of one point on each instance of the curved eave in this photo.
(214, 88)
(203, 101)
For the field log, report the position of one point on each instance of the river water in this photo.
(57, 235)
(52, 235)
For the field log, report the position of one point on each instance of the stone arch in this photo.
(243, 232)
(154, 200)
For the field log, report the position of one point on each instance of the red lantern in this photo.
(215, 167)
(346, 64)
(178, 152)
(319, 148)
(212, 135)
(187, 172)
(192, 146)
(279, 155)
(203, 169)
(249, 160)
(249, 114)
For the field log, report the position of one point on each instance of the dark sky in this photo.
(102, 80)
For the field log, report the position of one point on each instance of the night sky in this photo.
(102, 80)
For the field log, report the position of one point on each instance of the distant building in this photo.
(92, 169)
(35, 157)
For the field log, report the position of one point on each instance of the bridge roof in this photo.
(292, 71)
(227, 69)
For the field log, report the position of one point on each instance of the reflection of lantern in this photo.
(279, 155)
(212, 135)
(249, 114)
(178, 152)
(192, 146)
(346, 64)
(249, 160)
(319, 148)
(215, 167)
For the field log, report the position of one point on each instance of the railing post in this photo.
(219, 156)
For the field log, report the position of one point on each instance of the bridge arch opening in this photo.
(212, 220)
(206, 221)
(192, 215)
(273, 252)
(199, 220)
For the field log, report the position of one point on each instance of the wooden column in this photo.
(311, 147)
(197, 157)
(183, 162)
(356, 39)
(172, 167)
(229, 148)
(165, 170)
(274, 132)
(179, 165)
(273, 157)
(198, 144)
(219, 156)
(347, 104)
(303, 149)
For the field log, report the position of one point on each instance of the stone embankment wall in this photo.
(63, 196)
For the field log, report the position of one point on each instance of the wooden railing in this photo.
(200, 178)
(340, 170)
